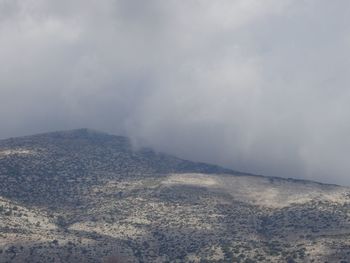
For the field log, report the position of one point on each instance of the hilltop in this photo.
(84, 195)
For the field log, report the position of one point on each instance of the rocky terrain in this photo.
(86, 196)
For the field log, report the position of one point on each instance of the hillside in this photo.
(83, 196)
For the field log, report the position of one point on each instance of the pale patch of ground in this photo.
(16, 152)
(262, 191)
(138, 219)
(41, 236)
(318, 250)
(193, 258)
(218, 253)
(277, 193)
(201, 180)
(22, 216)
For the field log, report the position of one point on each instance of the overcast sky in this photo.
(258, 86)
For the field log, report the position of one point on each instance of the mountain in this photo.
(87, 196)
(55, 168)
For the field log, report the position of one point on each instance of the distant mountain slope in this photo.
(83, 196)
(52, 167)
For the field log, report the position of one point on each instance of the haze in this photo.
(258, 86)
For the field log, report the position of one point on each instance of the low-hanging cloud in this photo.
(259, 86)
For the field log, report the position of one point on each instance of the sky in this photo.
(257, 86)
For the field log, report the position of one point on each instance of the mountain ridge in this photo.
(88, 133)
(84, 196)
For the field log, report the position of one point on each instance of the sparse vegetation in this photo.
(80, 196)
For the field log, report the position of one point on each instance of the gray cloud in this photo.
(259, 86)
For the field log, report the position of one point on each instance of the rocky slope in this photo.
(85, 196)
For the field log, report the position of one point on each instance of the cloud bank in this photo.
(258, 86)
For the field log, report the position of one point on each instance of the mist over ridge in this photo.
(258, 87)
